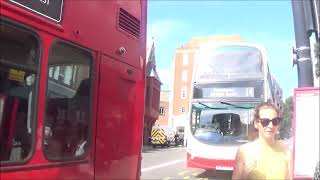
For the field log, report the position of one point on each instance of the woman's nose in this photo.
(270, 125)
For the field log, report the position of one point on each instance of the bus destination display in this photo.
(228, 92)
(51, 9)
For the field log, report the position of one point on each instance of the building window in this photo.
(65, 74)
(185, 59)
(184, 92)
(161, 111)
(67, 114)
(184, 76)
(183, 110)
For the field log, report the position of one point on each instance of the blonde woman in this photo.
(265, 157)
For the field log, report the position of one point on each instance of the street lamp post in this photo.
(302, 51)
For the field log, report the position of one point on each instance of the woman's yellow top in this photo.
(270, 162)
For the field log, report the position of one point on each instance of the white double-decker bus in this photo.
(229, 80)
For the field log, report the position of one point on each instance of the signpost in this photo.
(306, 132)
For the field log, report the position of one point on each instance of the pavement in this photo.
(149, 148)
(146, 148)
(171, 163)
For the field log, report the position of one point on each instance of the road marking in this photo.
(166, 178)
(182, 173)
(187, 177)
(200, 179)
(162, 165)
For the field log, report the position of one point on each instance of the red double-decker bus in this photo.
(72, 80)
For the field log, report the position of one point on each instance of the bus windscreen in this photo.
(222, 124)
(237, 62)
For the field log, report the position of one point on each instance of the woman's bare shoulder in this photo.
(288, 152)
(284, 147)
(247, 149)
(248, 146)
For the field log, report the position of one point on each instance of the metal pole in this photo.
(304, 62)
(316, 16)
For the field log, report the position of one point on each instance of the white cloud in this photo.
(165, 77)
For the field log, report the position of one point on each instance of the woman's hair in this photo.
(265, 105)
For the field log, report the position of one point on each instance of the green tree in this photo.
(287, 115)
(317, 53)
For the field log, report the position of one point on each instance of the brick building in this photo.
(152, 95)
(163, 108)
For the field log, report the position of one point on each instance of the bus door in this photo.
(119, 126)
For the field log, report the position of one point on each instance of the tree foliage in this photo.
(317, 54)
(287, 112)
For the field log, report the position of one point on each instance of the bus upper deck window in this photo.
(18, 78)
(67, 117)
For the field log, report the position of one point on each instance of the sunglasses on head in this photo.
(265, 121)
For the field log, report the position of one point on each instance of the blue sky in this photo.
(269, 23)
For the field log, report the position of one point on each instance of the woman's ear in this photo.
(255, 123)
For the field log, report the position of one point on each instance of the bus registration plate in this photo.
(225, 168)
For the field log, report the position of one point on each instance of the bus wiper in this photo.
(236, 106)
(209, 106)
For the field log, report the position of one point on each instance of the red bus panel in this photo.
(114, 33)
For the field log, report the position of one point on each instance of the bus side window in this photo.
(19, 65)
(67, 116)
